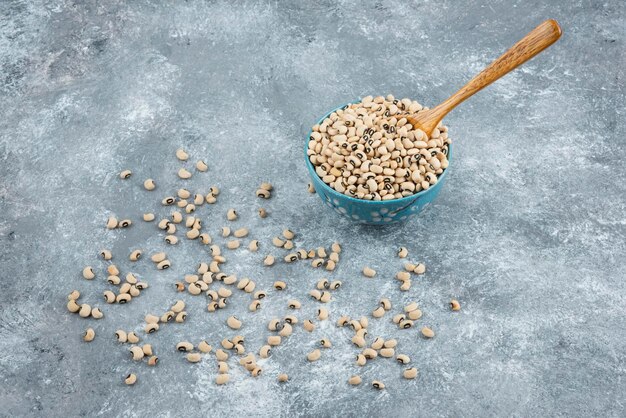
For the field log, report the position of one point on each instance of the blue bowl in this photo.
(368, 211)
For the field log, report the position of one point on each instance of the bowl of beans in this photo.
(369, 165)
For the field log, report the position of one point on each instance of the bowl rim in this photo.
(335, 193)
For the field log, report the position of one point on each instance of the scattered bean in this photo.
(168, 316)
(193, 357)
(193, 233)
(405, 324)
(233, 322)
(131, 379)
(308, 325)
(121, 336)
(179, 306)
(343, 321)
(427, 332)
(204, 347)
(274, 340)
(268, 260)
(263, 193)
(222, 379)
(378, 343)
(163, 265)
(294, 304)
(151, 319)
(355, 380)
(184, 346)
(181, 317)
(322, 314)
(136, 353)
(370, 353)
(123, 298)
(265, 351)
(314, 355)
(378, 312)
(415, 315)
(411, 307)
(369, 272)
(361, 360)
(398, 318)
(378, 385)
(223, 292)
(88, 273)
(390, 343)
(403, 359)
(89, 335)
(233, 244)
(181, 154)
(96, 313)
(364, 322)
(201, 166)
(419, 269)
(84, 311)
(222, 367)
(112, 223)
(231, 215)
(387, 352)
(286, 330)
(149, 185)
(167, 201)
(358, 341)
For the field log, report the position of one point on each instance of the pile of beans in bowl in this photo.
(368, 150)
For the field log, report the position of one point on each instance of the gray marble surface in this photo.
(529, 232)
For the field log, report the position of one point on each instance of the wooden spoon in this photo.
(530, 45)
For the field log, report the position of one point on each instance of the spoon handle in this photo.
(530, 45)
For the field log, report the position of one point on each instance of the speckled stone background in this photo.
(529, 232)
